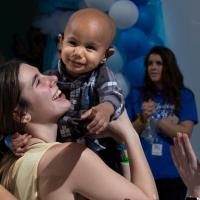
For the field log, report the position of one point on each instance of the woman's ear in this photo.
(25, 118)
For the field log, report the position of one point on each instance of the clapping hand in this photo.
(187, 163)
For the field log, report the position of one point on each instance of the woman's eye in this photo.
(159, 63)
(154, 62)
(37, 82)
(150, 62)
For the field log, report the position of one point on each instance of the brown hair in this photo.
(10, 100)
(172, 78)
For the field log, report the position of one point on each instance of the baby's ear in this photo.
(59, 42)
(25, 118)
(109, 52)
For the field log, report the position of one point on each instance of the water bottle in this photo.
(150, 131)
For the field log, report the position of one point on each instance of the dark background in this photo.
(16, 16)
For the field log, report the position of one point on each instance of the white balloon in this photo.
(125, 13)
(115, 62)
(103, 5)
(123, 83)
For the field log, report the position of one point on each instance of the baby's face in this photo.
(84, 46)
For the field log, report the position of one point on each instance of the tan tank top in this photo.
(24, 176)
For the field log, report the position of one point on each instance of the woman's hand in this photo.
(187, 163)
(148, 107)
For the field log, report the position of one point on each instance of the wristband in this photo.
(140, 120)
(123, 153)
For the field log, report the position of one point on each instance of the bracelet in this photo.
(140, 120)
(123, 153)
(125, 160)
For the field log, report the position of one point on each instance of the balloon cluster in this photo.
(137, 25)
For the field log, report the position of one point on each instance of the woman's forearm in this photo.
(140, 172)
(141, 175)
(170, 129)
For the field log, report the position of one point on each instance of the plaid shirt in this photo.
(84, 92)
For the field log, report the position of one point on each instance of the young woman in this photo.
(163, 107)
(31, 102)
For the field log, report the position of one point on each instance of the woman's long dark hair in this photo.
(172, 78)
(10, 100)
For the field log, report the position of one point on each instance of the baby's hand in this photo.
(100, 117)
(20, 143)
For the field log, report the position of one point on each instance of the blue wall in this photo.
(182, 26)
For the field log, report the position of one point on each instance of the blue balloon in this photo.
(138, 2)
(134, 72)
(146, 19)
(116, 61)
(154, 40)
(123, 83)
(133, 41)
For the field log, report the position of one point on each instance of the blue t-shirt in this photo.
(158, 152)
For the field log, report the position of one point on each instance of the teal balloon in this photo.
(154, 40)
(134, 72)
(146, 19)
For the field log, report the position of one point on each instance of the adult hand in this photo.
(187, 163)
(100, 116)
(148, 107)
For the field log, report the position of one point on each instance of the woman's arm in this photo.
(141, 175)
(5, 195)
(187, 114)
(72, 168)
(170, 129)
(105, 183)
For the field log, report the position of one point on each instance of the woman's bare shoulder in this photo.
(62, 152)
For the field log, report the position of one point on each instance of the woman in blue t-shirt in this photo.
(158, 110)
